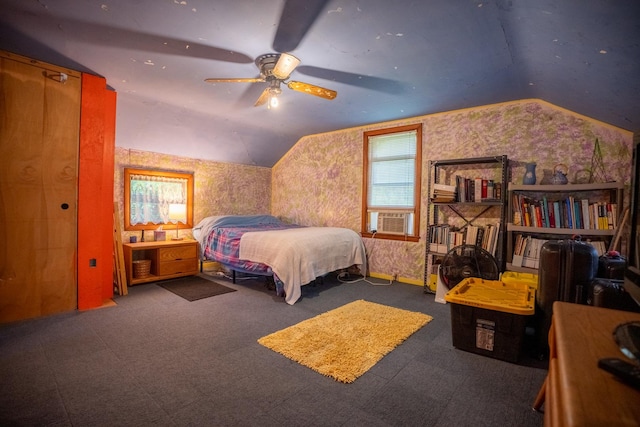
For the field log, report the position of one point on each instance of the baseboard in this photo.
(399, 279)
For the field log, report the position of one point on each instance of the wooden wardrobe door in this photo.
(40, 117)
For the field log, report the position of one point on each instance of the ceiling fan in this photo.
(275, 69)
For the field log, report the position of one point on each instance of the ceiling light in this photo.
(285, 66)
(274, 90)
(273, 101)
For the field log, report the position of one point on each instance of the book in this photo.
(490, 190)
(577, 215)
(552, 217)
(497, 190)
(610, 222)
(526, 213)
(568, 212)
(600, 246)
(519, 249)
(460, 189)
(444, 187)
(480, 189)
(480, 236)
(584, 205)
(602, 216)
(517, 210)
(556, 214)
(537, 214)
(528, 256)
(545, 212)
(496, 237)
(471, 232)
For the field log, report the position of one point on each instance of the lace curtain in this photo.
(153, 197)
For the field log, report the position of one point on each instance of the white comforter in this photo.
(299, 255)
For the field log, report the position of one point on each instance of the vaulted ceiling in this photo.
(386, 59)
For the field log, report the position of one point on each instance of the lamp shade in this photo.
(285, 65)
(178, 212)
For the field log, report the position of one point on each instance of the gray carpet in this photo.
(193, 288)
(154, 359)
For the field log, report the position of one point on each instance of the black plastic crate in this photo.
(488, 332)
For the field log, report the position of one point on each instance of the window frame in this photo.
(417, 186)
(153, 173)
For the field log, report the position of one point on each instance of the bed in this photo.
(294, 255)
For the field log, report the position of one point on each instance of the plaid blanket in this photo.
(223, 245)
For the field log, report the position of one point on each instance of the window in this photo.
(153, 198)
(392, 166)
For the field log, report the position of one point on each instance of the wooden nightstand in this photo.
(169, 259)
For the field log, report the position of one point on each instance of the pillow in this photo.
(205, 226)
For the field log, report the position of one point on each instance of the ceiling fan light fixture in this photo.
(273, 102)
(274, 90)
(275, 69)
(285, 66)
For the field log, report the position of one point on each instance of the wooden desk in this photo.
(577, 392)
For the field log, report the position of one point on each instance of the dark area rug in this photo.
(193, 288)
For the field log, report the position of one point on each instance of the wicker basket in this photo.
(141, 268)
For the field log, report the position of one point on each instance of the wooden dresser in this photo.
(577, 392)
(169, 259)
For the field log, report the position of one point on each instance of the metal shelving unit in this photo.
(467, 212)
(611, 192)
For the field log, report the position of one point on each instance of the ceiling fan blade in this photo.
(249, 95)
(113, 36)
(367, 82)
(236, 80)
(312, 90)
(296, 19)
(264, 97)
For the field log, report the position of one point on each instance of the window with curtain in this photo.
(391, 206)
(154, 198)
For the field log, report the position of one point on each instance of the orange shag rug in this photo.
(346, 342)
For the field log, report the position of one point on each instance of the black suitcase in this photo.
(609, 293)
(611, 266)
(567, 268)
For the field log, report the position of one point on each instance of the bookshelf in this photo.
(467, 205)
(538, 213)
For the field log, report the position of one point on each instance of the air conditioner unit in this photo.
(392, 222)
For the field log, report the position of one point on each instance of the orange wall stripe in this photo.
(93, 190)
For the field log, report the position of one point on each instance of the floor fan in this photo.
(466, 261)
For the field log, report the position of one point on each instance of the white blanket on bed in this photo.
(299, 255)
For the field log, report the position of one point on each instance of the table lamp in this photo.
(177, 213)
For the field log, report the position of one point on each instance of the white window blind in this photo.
(392, 170)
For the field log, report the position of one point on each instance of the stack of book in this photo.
(443, 193)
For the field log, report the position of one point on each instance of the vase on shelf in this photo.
(560, 174)
(529, 174)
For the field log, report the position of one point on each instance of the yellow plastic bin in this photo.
(514, 277)
(489, 317)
